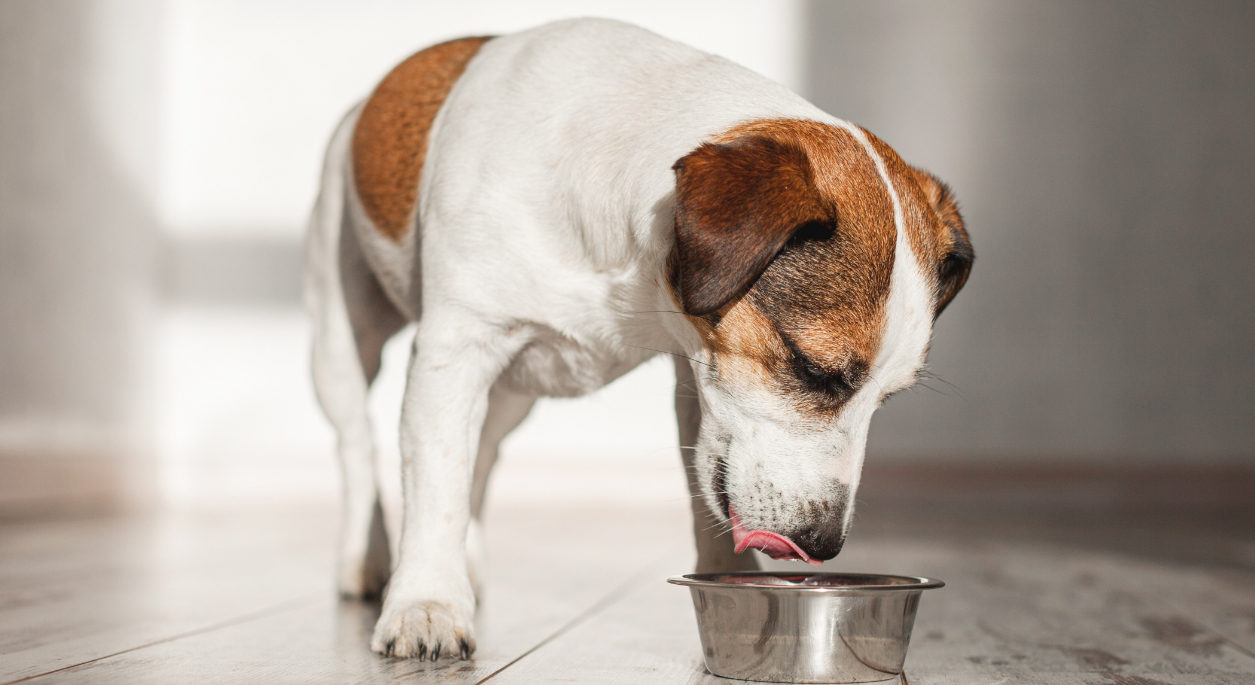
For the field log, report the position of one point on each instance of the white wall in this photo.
(170, 149)
(79, 90)
(254, 87)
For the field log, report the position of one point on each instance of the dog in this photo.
(554, 207)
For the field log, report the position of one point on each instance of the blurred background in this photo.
(158, 159)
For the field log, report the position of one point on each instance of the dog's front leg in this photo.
(714, 542)
(429, 605)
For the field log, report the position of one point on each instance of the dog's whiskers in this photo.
(929, 375)
(715, 492)
(656, 311)
(674, 354)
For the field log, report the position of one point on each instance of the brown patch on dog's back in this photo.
(811, 321)
(390, 141)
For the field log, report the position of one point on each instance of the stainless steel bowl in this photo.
(805, 628)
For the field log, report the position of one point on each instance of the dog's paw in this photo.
(424, 629)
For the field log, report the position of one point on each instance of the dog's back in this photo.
(598, 112)
(391, 135)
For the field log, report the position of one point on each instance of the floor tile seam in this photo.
(1238, 647)
(617, 593)
(1213, 630)
(225, 623)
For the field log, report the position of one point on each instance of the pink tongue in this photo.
(773, 545)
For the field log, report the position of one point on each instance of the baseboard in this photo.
(1061, 486)
(70, 484)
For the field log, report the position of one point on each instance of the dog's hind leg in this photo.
(506, 410)
(714, 544)
(352, 319)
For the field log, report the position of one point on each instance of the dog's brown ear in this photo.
(956, 254)
(737, 204)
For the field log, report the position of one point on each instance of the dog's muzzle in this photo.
(813, 544)
(814, 533)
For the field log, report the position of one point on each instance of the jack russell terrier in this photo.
(554, 207)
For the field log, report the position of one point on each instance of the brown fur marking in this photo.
(934, 227)
(738, 203)
(390, 141)
(811, 321)
(955, 247)
(923, 228)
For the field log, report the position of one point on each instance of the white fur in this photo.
(538, 269)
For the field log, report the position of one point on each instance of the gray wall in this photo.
(76, 229)
(1104, 155)
(78, 105)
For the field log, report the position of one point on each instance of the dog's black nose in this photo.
(820, 529)
(821, 541)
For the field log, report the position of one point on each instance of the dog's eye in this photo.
(808, 370)
(834, 384)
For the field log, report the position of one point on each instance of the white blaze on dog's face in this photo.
(812, 262)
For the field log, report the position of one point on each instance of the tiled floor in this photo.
(578, 595)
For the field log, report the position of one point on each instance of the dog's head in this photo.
(812, 262)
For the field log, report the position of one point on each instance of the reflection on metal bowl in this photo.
(805, 628)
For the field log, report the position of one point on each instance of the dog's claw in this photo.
(424, 631)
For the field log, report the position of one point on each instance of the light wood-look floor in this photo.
(578, 595)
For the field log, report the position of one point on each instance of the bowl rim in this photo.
(711, 580)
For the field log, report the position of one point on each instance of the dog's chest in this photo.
(553, 365)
